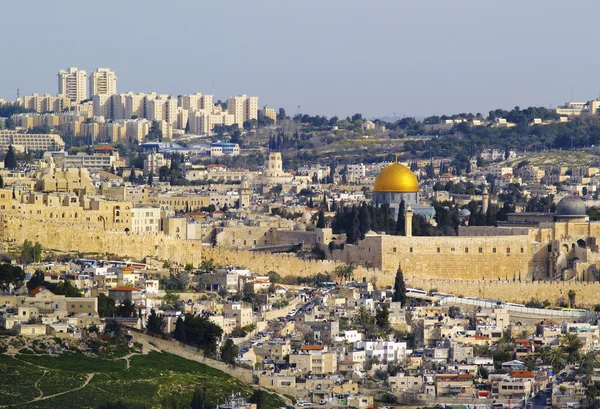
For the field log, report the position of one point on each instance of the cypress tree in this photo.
(399, 287)
(321, 220)
(364, 218)
(353, 232)
(400, 222)
(10, 160)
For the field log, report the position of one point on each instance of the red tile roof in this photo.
(311, 348)
(522, 374)
(36, 290)
(124, 288)
(104, 148)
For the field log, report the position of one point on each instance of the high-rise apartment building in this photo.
(242, 108)
(103, 82)
(72, 84)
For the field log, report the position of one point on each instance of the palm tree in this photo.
(207, 265)
(364, 320)
(591, 394)
(571, 344)
(345, 272)
(557, 358)
(544, 354)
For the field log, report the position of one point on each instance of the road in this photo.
(540, 401)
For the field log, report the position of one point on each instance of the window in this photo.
(466, 249)
(508, 250)
(481, 249)
(411, 249)
(494, 250)
(522, 250)
(438, 250)
(394, 249)
(452, 249)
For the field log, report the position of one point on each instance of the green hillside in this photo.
(74, 380)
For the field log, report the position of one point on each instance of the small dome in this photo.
(465, 212)
(570, 206)
(396, 178)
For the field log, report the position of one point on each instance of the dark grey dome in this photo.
(570, 206)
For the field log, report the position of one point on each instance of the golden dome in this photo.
(396, 178)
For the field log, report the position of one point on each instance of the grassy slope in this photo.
(149, 379)
(558, 157)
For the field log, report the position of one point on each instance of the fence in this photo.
(514, 308)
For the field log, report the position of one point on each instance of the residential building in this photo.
(243, 108)
(145, 219)
(103, 81)
(23, 142)
(72, 84)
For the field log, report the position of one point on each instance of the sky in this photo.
(326, 57)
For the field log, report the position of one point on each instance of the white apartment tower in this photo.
(103, 82)
(72, 84)
(242, 108)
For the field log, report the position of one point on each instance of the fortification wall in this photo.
(587, 294)
(67, 237)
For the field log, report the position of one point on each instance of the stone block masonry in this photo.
(67, 237)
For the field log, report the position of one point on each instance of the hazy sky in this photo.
(377, 57)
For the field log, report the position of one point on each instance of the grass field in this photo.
(559, 157)
(151, 380)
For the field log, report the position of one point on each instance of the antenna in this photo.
(213, 89)
(572, 92)
(18, 93)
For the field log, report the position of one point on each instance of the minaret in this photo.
(485, 201)
(408, 215)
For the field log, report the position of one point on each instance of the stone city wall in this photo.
(54, 235)
(587, 294)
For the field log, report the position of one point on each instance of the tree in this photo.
(27, 256)
(572, 345)
(353, 233)
(382, 318)
(10, 160)
(207, 265)
(155, 132)
(364, 320)
(345, 272)
(11, 275)
(37, 252)
(156, 324)
(454, 311)
(179, 333)
(150, 178)
(557, 358)
(229, 351)
(400, 228)
(274, 277)
(126, 309)
(571, 294)
(399, 287)
(321, 220)
(197, 330)
(106, 306)
(281, 115)
(132, 177)
(1, 182)
(259, 398)
(200, 400)
(364, 220)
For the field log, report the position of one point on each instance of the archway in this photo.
(581, 243)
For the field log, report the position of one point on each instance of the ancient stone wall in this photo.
(587, 294)
(54, 235)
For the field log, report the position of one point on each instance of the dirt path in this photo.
(89, 377)
(38, 381)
